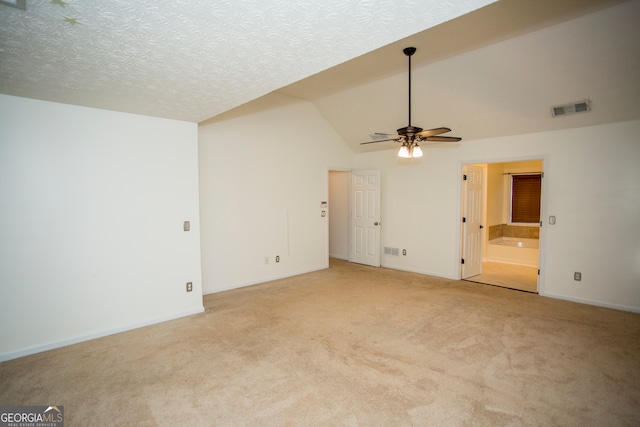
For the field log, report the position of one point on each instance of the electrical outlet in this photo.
(577, 276)
(404, 252)
(189, 286)
(277, 258)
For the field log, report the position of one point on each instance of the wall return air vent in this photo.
(392, 251)
(573, 108)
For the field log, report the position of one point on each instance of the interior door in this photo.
(473, 197)
(364, 217)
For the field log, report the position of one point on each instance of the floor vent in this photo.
(391, 251)
(573, 108)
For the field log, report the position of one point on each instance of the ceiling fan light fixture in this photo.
(417, 151)
(404, 152)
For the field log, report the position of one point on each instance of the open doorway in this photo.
(504, 251)
(339, 214)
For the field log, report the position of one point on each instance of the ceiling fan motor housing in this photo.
(409, 130)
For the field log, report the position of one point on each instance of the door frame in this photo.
(543, 209)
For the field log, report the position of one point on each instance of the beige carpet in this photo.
(351, 346)
(511, 276)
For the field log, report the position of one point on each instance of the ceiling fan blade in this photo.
(443, 138)
(431, 132)
(380, 140)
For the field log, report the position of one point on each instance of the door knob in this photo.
(376, 223)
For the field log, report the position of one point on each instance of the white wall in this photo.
(92, 208)
(263, 174)
(592, 180)
(339, 214)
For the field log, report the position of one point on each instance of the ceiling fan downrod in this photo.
(409, 51)
(409, 132)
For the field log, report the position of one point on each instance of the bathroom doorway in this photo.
(510, 239)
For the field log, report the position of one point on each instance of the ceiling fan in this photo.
(409, 136)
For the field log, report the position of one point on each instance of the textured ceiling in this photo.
(193, 59)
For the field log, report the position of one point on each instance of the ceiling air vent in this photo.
(573, 108)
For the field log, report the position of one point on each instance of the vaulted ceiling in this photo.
(494, 72)
(482, 68)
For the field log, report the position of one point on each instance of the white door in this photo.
(364, 218)
(472, 199)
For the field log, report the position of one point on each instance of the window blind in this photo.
(525, 198)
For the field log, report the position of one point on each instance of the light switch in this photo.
(187, 226)
(552, 219)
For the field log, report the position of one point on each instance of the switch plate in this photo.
(577, 276)
(277, 258)
(552, 219)
(186, 226)
(404, 252)
(189, 286)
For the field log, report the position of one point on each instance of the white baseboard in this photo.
(265, 280)
(103, 333)
(590, 302)
(413, 270)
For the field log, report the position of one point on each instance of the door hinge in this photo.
(464, 177)
(464, 219)
(462, 261)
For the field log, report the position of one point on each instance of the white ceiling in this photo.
(483, 69)
(193, 59)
